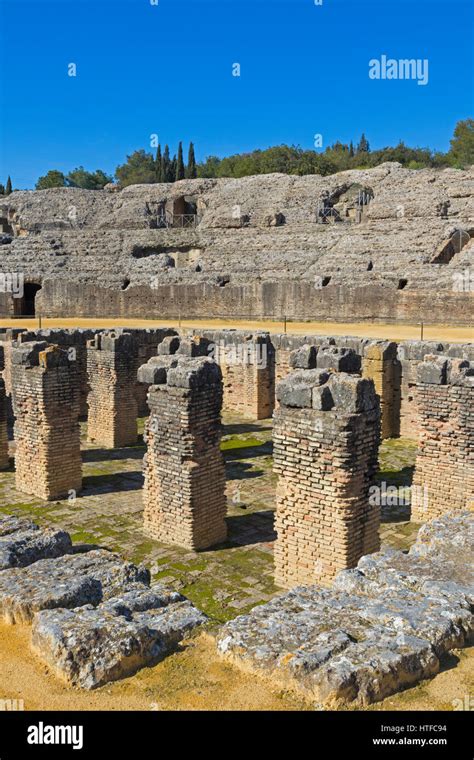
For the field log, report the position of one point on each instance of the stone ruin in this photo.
(113, 408)
(254, 248)
(94, 616)
(4, 458)
(444, 472)
(184, 489)
(326, 439)
(46, 406)
(382, 627)
(247, 362)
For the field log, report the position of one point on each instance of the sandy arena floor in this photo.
(362, 329)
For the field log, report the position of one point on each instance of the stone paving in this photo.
(229, 579)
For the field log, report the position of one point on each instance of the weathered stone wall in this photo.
(444, 474)
(256, 248)
(326, 437)
(184, 490)
(111, 367)
(45, 385)
(272, 299)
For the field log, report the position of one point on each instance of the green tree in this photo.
(173, 169)
(191, 170)
(180, 163)
(138, 169)
(158, 165)
(53, 178)
(209, 168)
(88, 180)
(2, 190)
(363, 146)
(462, 143)
(166, 166)
(8, 188)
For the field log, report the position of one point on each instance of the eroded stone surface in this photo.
(383, 626)
(91, 646)
(69, 581)
(23, 547)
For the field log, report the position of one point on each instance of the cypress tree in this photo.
(351, 149)
(173, 168)
(8, 188)
(2, 190)
(165, 165)
(363, 146)
(158, 165)
(191, 171)
(180, 163)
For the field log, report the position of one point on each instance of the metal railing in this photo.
(180, 221)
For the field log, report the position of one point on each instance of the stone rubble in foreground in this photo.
(22, 542)
(95, 618)
(383, 626)
(91, 646)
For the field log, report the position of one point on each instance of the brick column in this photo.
(381, 365)
(45, 388)
(4, 461)
(248, 370)
(326, 438)
(111, 370)
(148, 344)
(184, 490)
(444, 472)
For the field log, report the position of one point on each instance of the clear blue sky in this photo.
(167, 69)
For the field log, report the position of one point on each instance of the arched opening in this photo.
(26, 306)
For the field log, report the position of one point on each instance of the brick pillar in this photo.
(326, 438)
(381, 365)
(248, 370)
(148, 344)
(184, 490)
(444, 471)
(45, 388)
(111, 369)
(4, 461)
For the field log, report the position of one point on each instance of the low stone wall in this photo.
(444, 472)
(297, 299)
(45, 388)
(326, 438)
(184, 489)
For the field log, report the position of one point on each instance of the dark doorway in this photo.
(26, 307)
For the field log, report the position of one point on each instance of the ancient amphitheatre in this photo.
(320, 539)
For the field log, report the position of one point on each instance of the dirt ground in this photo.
(195, 679)
(361, 329)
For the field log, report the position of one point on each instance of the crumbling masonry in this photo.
(111, 369)
(326, 438)
(444, 472)
(184, 489)
(4, 462)
(45, 385)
